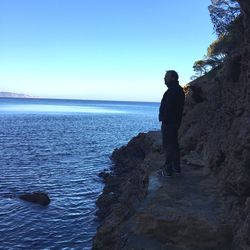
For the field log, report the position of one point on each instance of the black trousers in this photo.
(170, 145)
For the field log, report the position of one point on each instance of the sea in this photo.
(59, 147)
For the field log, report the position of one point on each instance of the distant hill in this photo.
(14, 95)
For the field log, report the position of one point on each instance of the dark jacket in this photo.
(172, 104)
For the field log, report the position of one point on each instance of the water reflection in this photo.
(57, 108)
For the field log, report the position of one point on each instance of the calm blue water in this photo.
(59, 147)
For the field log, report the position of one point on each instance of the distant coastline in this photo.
(14, 95)
(21, 96)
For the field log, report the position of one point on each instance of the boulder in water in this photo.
(36, 197)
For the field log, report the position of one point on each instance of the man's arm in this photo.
(162, 108)
(171, 101)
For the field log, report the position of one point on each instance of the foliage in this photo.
(223, 13)
(227, 42)
(202, 67)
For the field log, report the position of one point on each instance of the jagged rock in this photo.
(36, 197)
(125, 187)
(104, 174)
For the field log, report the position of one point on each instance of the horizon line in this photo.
(76, 99)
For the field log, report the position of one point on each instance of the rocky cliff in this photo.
(208, 207)
(216, 131)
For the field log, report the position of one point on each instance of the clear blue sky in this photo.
(100, 49)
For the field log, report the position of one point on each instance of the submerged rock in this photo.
(36, 197)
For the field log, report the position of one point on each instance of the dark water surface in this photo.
(59, 147)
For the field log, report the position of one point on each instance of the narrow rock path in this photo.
(180, 212)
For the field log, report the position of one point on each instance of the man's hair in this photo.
(173, 74)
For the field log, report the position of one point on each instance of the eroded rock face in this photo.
(36, 197)
(216, 132)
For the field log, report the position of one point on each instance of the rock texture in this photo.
(36, 197)
(125, 187)
(216, 131)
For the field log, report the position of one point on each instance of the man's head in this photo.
(171, 76)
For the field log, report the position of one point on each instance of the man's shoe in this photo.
(177, 173)
(177, 170)
(166, 173)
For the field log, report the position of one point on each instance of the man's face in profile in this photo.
(168, 78)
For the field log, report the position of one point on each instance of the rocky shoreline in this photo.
(125, 187)
(140, 209)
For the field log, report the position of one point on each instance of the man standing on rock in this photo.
(170, 114)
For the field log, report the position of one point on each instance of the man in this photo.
(170, 114)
